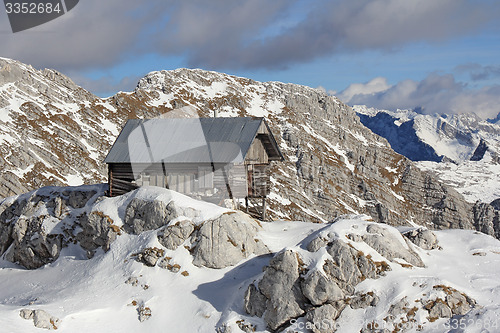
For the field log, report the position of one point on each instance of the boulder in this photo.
(281, 286)
(143, 215)
(41, 319)
(323, 318)
(149, 256)
(385, 243)
(458, 303)
(423, 238)
(174, 235)
(226, 240)
(348, 266)
(255, 301)
(319, 289)
(98, 231)
(438, 309)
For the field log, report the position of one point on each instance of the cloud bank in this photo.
(261, 34)
(437, 93)
(251, 34)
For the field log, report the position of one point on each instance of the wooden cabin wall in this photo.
(238, 180)
(184, 178)
(120, 177)
(257, 153)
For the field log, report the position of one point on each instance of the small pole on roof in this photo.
(216, 113)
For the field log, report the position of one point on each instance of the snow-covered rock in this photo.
(174, 235)
(292, 289)
(423, 238)
(321, 277)
(227, 240)
(41, 319)
(34, 227)
(142, 215)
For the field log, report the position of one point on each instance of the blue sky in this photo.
(440, 55)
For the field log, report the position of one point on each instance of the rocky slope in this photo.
(334, 165)
(123, 264)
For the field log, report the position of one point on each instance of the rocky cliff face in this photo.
(52, 132)
(334, 165)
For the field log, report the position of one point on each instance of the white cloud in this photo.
(375, 85)
(434, 94)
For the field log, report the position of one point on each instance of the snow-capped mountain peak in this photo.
(455, 137)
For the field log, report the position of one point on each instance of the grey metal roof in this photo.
(185, 140)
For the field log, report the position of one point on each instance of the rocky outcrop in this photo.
(481, 149)
(317, 293)
(487, 218)
(289, 289)
(31, 246)
(32, 228)
(226, 240)
(35, 227)
(452, 303)
(433, 204)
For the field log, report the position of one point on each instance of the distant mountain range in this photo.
(423, 137)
